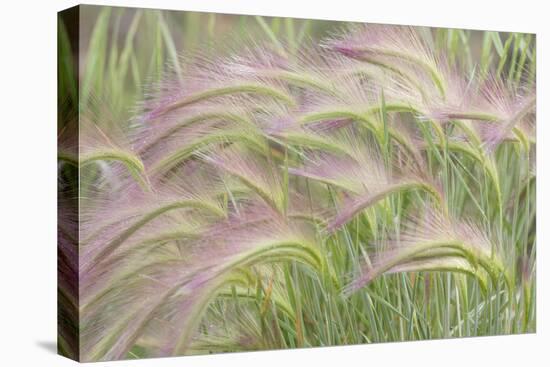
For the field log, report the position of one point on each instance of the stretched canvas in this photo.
(230, 183)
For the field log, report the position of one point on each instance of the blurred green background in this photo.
(121, 50)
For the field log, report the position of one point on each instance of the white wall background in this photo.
(28, 181)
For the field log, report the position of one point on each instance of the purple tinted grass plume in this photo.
(431, 241)
(173, 289)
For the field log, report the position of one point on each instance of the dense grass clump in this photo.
(375, 185)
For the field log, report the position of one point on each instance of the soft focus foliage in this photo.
(375, 185)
